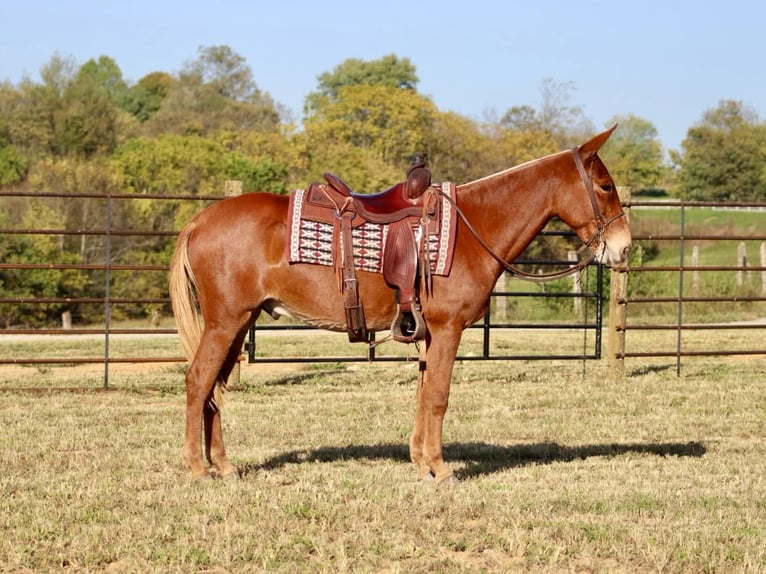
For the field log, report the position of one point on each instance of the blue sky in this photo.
(665, 61)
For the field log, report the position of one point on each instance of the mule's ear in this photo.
(591, 147)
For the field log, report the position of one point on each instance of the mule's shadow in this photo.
(481, 458)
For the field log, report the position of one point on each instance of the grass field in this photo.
(562, 468)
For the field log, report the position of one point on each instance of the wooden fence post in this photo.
(763, 271)
(695, 273)
(501, 302)
(618, 292)
(741, 263)
(576, 284)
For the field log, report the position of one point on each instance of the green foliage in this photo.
(174, 164)
(458, 150)
(724, 156)
(35, 283)
(223, 70)
(634, 153)
(216, 92)
(146, 97)
(13, 165)
(87, 123)
(106, 75)
(85, 129)
(389, 71)
(263, 174)
(565, 123)
(389, 123)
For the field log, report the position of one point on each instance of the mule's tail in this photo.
(183, 296)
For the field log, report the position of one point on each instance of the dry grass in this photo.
(562, 470)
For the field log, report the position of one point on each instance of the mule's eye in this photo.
(608, 187)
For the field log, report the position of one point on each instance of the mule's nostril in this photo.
(626, 250)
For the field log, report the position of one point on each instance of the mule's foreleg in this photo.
(416, 440)
(432, 400)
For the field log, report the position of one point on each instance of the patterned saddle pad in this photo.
(311, 240)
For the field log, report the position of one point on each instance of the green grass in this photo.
(562, 467)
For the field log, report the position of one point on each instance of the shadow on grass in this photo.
(641, 371)
(481, 458)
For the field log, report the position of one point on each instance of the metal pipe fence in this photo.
(688, 293)
(111, 270)
(587, 322)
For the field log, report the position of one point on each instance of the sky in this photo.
(664, 61)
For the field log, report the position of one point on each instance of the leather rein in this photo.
(601, 223)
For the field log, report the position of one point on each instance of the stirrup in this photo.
(408, 326)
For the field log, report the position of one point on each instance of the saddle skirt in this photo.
(312, 232)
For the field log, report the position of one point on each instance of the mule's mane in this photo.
(518, 167)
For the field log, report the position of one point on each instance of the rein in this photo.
(599, 235)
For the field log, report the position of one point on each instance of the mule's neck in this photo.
(510, 208)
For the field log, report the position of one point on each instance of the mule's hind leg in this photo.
(214, 448)
(214, 348)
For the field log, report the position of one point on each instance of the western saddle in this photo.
(408, 209)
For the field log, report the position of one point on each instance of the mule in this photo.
(230, 265)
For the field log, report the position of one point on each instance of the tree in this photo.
(105, 75)
(633, 153)
(87, 123)
(30, 111)
(13, 165)
(458, 149)
(566, 124)
(147, 95)
(723, 156)
(390, 124)
(216, 92)
(224, 71)
(389, 71)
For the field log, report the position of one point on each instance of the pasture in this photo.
(562, 469)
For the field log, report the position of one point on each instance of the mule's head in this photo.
(592, 206)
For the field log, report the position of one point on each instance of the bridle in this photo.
(601, 225)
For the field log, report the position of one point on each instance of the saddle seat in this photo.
(401, 200)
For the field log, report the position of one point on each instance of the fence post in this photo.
(741, 263)
(576, 284)
(232, 188)
(501, 302)
(107, 287)
(763, 268)
(695, 273)
(618, 306)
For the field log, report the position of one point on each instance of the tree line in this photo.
(85, 128)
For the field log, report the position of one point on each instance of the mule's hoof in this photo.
(230, 476)
(448, 480)
(428, 478)
(200, 478)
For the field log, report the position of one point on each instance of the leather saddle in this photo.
(407, 208)
(404, 199)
